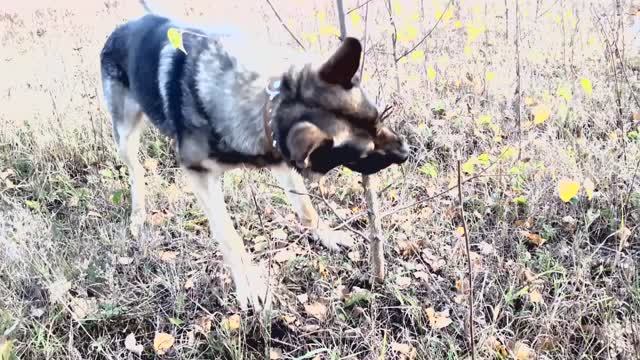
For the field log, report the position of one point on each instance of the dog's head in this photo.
(325, 120)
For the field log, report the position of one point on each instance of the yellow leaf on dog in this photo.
(175, 38)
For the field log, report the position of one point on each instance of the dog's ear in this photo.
(303, 139)
(343, 64)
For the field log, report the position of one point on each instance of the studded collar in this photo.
(273, 91)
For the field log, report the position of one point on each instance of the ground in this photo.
(551, 195)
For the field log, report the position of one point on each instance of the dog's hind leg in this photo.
(250, 280)
(293, 185)
(127, 127)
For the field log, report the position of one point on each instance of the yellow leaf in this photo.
(568, 189)
(457, 24)
(232, 323)
(484, 119)
(469, 166)
(459, 231)
(589, 186)
(407, 34)
(356, 19)
(564, 92)
(534, 239)
(438, 320)
(321, 16)
(509, 152)
(541, 113)
(417, 56)
(175, 38)
(431, 73)
(446, 15)
(162, 342)
(522, 351)
(474, 31)
(489, 76)
(535, 297)
(6, 349)
(317, 310)
(586, 86)
(528, 100)
(329, 30)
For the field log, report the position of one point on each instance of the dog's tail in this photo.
(146, 7)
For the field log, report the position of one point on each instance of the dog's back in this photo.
(131, 58)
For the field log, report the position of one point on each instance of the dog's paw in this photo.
(252, 288)
(333, 239)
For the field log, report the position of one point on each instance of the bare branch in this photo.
(428, 33)
(469, 268)
(285, 25)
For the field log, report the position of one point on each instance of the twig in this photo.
(399, 208)
(376, 246)
(519, 82)
(285, 25)
(341, 20)
(326, 202)
(359, 6)
(469, 268)
(428, 33)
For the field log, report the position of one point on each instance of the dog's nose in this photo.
(402, 152)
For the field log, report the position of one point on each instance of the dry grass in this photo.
(76, 284)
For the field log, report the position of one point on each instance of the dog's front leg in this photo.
(293, 185)
(250, 281)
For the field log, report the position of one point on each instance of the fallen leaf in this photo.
(404, 349)
(522, 351)
(486, 249)
(408, 248)
(275, 354)
(541, 113)
(279, 234)
(303, 298)
(82, 308)
(162, 342)
(189, 283)
(317, 310)
(534, 239)
(203, 325)
(151, 164)
(636, 116)
(354, 256)
(403, 281)
(623, 235)
(459, 231)
(124, 260)
(568, 189)
(438, 320)
(58, 290)
(232, 323)
(589, 186)
(536, 297)
(284, 256)
(421, 275)
(168, 256)
(132, 345)
(158, 218)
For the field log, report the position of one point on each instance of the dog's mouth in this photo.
(353, 156)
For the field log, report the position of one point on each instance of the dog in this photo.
(223, 110)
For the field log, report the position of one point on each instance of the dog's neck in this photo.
(273, 92)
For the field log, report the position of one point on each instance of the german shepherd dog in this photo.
(223, 110)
